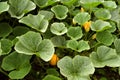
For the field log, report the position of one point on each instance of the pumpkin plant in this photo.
(59, 39)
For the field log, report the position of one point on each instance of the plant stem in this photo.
(3, 72)
(40, 63)
(95, 45)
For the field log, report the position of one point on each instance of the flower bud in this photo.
(94, 36)
(73, 22)
(86, 26)
(54, 60)
(82, 10)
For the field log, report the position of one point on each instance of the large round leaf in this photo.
(77, 68)
(75, 33)
(116, 16)
(48, 14)
(105, 56)
(51, 77)
(100, 25)
(68, 2)
(19, 7)
(36, 22)
(110, 4)
(53, 71)
(58, 41)
(30, 40)
(58, 28)
(5, 29)
(60, 11)
(117, 46)
(104, 37)
(32, 43)
(44, 3)
(3, 7)
(78, 45)
(5, 46)
(18, 64)
(40, 2)
(103, 14)
(19, 30)
(45, 50)
(81, 18)
(113, 27)
(88, 4)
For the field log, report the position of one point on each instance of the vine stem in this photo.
(95, 45)
(40, 63)
(3, 72)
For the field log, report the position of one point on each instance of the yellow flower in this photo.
(73, 21)
(82, 10)
(54, 60)
(94, 36)
(86, 26)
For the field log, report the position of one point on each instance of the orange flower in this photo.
(86, 26)
(54, 60)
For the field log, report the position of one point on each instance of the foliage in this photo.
(77, 68)
(60, 39)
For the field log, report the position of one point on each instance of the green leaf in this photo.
(18, 65)
(31, 43)
(19, 30)
(103, 14)
(36, 22)
(68, 2)
(45, 50)
(58, 28)
(44, 3)
(48, 14)
(18, 8)
(5, 46)
(60, 11)
(110, 4)
(115, 14)
(53, 71)
(113, 27)
(78, 45)
(48, 34)
(100, 25)
(77, 68)
(58, 41)
(49, 3)
(40, 2)
(118, 24)
(51, 77)
(75, 33)
(88, 4)
(20, 73)
(81, 18)
(118, 1)
(105, 56)
(117, 46)
(5, 29)
(105, 37)
(30, 40)
(3, 7)
(103, 78)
